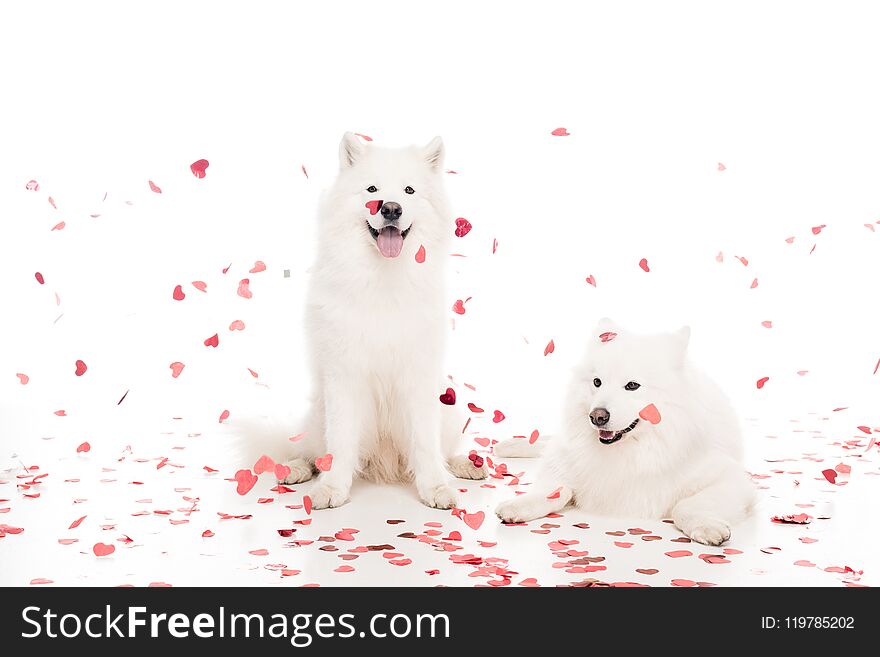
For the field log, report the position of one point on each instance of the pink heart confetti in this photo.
(719, 257)
(474, 520)
(259, 266)
(59, 226)
(246, 481)
(462, 227)
(324, 463)
(39, 278)
(643, 263)
(178, 294)
(154, 187)
(760, 382)
(754, 284)
(264, 464)
(307, 505)
(32, 186)
(420, 254)
(550, 348)
(198, 168)
(244, 289)
(213, 341)
(818, 229)
(237, 325)
(224, 416)
(80, 368)
(591, 280)
(721, 167)
(608, 336)
(103, 550)
(82, 448)
(23, 378)
(498, 417)
(201, 286)
(458, 307)
(767, 324)
(650, 414)
(560, 132)
(176, 369)
(533, 438)
(281, 471)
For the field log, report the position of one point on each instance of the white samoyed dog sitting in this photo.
(376, 319)
(645, 435)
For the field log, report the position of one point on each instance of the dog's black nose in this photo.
(391, 211)
(599, 417)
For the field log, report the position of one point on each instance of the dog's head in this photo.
(626, 381)
(390, 194)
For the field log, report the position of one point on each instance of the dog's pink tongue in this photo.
(605, 434)
(390, 242)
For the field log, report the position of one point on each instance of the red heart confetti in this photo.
(103, 550)
(176, 369)
(213, 341)
(795, 519)
(83, 448)
(32, 186)
(472, 407)
(198, 168)
(650, 414)
(259, 266)
(533, 438)
(80, 368)
(39, 278)
(458, 307)
(462, 227)
(448, 397)
(591, 280)
(498, 417)
(307, 505)
(373, 206)
(178, 294)
(201, 286)
(550, 348)
(76, 523)
(244, 289)
(608, 336)
(224, 416)
(754, 284)
(23, 378)
(643, 263)
(237, 325)
(560, 132)
(818, 229)
(830, 475)
(767, 324)
(264, 464)
(420, 254)
(281, 471)
(154, 187)
(246, 481)
(760, 382)
(474, 520)
(324, 463)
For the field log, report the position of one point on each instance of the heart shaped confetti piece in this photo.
(178, 294)
(676, 554)
(281, 471)
(264, 464)
(307, 505)
(198, 168)
(608, 336)
(201, 286)
(223, 417)
(721, 167)
(23, 378)
(754, 284)
(213, 341)
(244, 289)
(830, 475)
(80, 368)
(102, 549)
(560, 132)
(591, 280)
(643, 263)
(237, 325)
(474, 520)
(259, 266)
(448, 397)
(719, 257)
(481, 441)
(420, 254)
(364, 137)
(462, 227)
(458, 307)
(59, 226)
(818, 229)
(767, 324)
(550, 348)
(32, 186)
(61, 413)
(474, 408)
(647, 571)
(498, 417)
(297, 437)
(324, 463)
(83, 448)
(650, 414)
(533, 438)
(154, 187)
(373, 206)
(176, 369)
(39, 278)
(760, 382)
(246, 480)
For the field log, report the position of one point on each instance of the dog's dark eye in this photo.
(372, 189)
(632, 385)
(409, 190)
(597, 382)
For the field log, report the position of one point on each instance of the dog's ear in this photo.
(682, 337)
(434, 153)
(350, 150)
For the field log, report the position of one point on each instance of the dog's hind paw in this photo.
(710, 532)
(439, 497)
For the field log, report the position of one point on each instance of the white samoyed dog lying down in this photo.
(376, 319)
(645, 435)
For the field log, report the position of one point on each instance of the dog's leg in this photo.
(345, 412)
(426, 459)
(706, 516)
(462, 467)
(523, 508)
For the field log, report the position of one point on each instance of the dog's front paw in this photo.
(516, 510)
(439, 497)
(327, 496)
(709, 532)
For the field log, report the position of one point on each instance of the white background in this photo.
(102, 97)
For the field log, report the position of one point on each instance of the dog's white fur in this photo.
(375, 330)
(687, 467)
